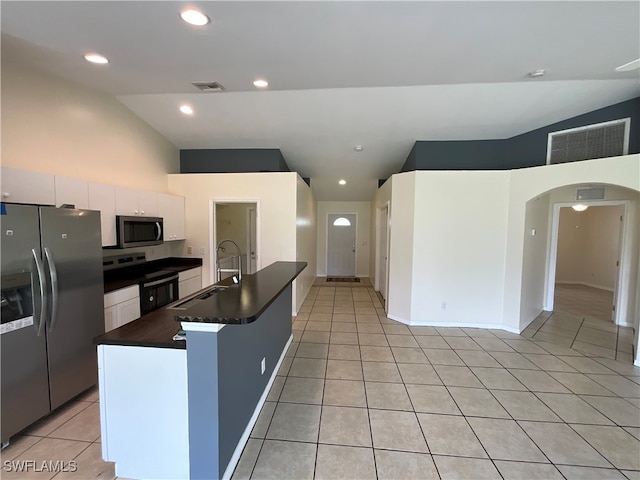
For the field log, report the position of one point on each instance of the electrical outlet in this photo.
(190, 250)
(202, 250)
(443, 305)
(263, 366)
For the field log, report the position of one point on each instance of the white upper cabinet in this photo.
(132, 202)
(23, 186)
(171, 209)
(148, 203)
(102, 197)
(72, 191)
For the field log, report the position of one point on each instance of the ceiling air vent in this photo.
(600, 140)
(208, 86)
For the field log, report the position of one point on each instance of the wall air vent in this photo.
(208, 86)
(596, 193)
(601, 140)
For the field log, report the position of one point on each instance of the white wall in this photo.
(306, 239)
(458, 247)
(275, 195)
(588, 246)
(534, 264)
(401, 244)
(461, 238)
(528, 183)
(571, 240)
(363, 232)
(52, 125)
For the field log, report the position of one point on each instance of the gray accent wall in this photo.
(226, 384)
(526, 150)
(232, 160)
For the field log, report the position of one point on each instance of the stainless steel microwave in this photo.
(138, 231)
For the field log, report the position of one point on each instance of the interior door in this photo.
(252, 244)
(341, 245)
(383, 261)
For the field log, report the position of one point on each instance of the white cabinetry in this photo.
(72, 191)
(121, 307)
(189, 281)
(171, 209)
(102, 197)
(133, 202)
(23, 186)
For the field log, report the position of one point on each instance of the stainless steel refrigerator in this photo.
(52, 308)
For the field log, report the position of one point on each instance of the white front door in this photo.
(341, 245)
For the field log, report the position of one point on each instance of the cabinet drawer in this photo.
(187, 274)
(122, 295)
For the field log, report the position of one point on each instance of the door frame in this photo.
(625, 255)
(326, 242)
(379, 253)
(213, 202)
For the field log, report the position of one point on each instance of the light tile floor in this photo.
(584, 301)
(363, 397)
(360, 396)
(70, 436)
(582, 321)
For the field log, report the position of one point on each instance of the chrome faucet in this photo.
(220, 270)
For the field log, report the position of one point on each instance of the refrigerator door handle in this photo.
(53, 276)
(43, 295)
(159, 227)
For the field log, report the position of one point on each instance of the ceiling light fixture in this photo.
(342, 182)
(96, 58)
(537, 73)
(627, 67)
(580, 207)
(261, 83)
(194, 17)
(186, 109)
(358, 148)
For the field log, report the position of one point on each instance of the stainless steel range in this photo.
(157, 287)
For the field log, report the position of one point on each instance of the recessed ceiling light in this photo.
(261, 83)
(342, 182)
(537, 73)
(186, 109)
(627, 67)
(358, 148)
(194, 17)
(96, 58)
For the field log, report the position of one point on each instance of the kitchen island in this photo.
(184, 409)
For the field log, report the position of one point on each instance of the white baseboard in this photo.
(487, 326)
(231, 466)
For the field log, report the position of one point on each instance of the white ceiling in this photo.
(379, 74)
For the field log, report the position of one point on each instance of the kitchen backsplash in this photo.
(154, 252)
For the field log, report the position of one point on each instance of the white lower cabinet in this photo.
(121, 307)
(189, 281)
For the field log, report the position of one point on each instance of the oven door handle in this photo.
(158, 282)
(159, 229)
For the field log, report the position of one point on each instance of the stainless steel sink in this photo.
(188, 302)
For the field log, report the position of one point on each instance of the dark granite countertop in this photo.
(125, 277)
(237, 305)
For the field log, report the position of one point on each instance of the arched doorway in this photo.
(558, 260)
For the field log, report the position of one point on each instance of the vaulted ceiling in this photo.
(377, 74)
